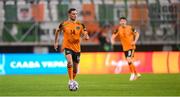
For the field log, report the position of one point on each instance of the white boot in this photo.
(70, 85)
(138, 75)
(132, 77)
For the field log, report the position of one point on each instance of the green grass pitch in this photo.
(91, 85)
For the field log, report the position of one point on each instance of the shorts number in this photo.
(129, 53)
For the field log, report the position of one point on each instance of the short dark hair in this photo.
(71, 9)
(123, 18)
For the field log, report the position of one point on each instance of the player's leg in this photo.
(132, 69)
(129, 57)
(76, 59)
(70, 66)
(131, 65)
(138, 75)
(75, 69)
(68, 55)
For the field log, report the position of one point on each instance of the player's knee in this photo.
(129, 63)
(129, 60)
(69, 63)
(69, 66)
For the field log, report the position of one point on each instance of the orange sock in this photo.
(74, 75)
(131, 69)
(70, 72)
(75, 67)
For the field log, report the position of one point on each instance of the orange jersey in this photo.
(126, 36)
(72, 32)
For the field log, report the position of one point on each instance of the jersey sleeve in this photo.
(115, 30)
(84, 27)
(133, 29)
(61, 25)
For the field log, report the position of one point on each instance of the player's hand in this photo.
(112, 41)
(56, 46)
(87, 37)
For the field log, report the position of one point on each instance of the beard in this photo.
(123, 24)
(72, 19)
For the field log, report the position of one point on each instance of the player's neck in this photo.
(123, 26)
(73, 21)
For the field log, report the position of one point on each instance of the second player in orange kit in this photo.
(128, 37)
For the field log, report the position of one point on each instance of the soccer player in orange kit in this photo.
(72, 30)
(128, 37)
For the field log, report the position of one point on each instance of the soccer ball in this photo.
(73, 86)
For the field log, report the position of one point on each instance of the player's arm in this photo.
(115, 33)
(136, 34)
(58, 30)
(85, 33)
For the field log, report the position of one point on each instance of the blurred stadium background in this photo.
(30, 24)
(27, 37)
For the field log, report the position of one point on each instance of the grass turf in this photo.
(90, 85)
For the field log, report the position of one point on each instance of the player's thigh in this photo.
(68, 55)
(69, 59)
(129, 59)
(129, 55)
(76, 57)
